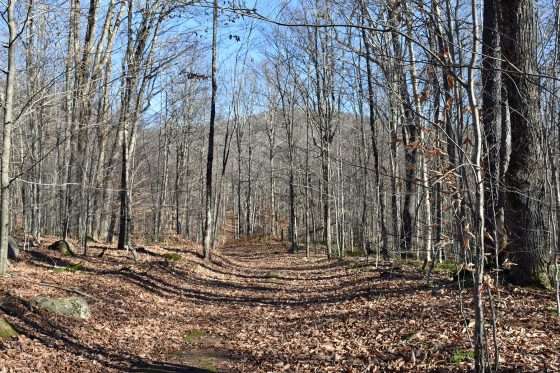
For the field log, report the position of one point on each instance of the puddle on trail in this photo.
(203, 351)
(201, 358)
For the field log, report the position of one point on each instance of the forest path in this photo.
(254, 308)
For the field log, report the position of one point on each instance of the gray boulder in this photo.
(76, 307)
(13, 249)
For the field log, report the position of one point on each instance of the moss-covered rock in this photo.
(63, 247)
(6, 330)
(76, 307)
(172, 257)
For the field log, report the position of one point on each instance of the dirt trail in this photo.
(255, 308)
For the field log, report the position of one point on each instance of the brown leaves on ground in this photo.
(256, 308)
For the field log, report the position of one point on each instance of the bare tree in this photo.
(8, 124)
(209, 169)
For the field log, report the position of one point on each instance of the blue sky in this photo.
(248, 49)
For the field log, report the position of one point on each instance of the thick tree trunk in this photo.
(524, 178)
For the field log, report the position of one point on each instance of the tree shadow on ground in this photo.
(163, 367)
(163, 280)
(50, 331)
(234, 271)
(164, 288)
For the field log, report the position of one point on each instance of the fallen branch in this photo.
(71, 290)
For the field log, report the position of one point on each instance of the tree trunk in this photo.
(491, 118)
(208, 239)
(378, 180)
(9, 94)
(409, 134)
(524, 179)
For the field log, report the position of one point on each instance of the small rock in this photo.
(76, 307)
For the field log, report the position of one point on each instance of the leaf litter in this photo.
(257, 308)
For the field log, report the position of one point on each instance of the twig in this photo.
(494, 329)
(71, 290)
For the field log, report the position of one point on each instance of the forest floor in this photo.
(257, 308)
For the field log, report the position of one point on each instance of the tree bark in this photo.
(491, 118)
(523, 180)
